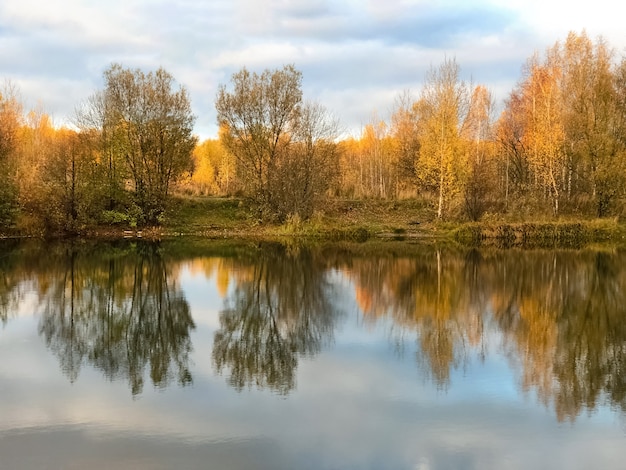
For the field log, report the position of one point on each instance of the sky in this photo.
(356, 56)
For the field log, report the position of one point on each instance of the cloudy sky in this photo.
(356, 56)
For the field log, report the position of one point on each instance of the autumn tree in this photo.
(259, 113)
(559, 132)
(71, 181)
(150, 124)
(513, 167)
(539, 113)
(593, 121)
(213, 169)
(405, 142)
(367, 164)
(93, 119)
(36, 143)
(351, 177)
(10, 121)
(271, 134)
(441, 109)
(379, 160)
(590, 119)
(477, 134)
(307, 169)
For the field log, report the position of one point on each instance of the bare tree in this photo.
(282, 147)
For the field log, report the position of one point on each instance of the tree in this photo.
(274, 137)
(305, 172)
(377, 156)
(36, 137)
(70, 181)
(10, 121)
(92, 118)
(150, 124)
(477, 134)
(441, 110)
(259, 114)
(406, 144)
(513, 165)
(590, 119)
(213, 169)
(531, 128)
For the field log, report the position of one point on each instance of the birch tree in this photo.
(441, 109)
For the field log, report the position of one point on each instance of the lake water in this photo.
(225, 355)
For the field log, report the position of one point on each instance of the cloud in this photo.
(422, 24)
(56, 51)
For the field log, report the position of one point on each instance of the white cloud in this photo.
(57, 50)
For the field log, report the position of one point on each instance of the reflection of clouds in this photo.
(356, 405)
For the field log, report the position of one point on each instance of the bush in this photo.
(115, 218)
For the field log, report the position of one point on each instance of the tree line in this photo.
(131, 141)
(558, 147)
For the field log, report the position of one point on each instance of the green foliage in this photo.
(115, 218)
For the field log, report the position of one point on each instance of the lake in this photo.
(244, 355)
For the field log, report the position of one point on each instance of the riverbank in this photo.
(362, 220)
(211, 217)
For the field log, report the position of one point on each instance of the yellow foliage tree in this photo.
(441, 110)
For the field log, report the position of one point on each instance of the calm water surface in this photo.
(246, 356)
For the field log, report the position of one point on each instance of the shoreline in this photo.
(500, 235)
(352, 221)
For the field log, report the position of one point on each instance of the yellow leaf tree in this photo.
(441, 110)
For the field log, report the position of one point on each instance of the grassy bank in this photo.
(542, 234)
(212, 217)
(340, 220)
(399, 220)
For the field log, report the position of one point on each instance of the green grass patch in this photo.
(197, 215)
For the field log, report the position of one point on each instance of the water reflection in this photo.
(434, 293)
(562, 316)
(11, 292)
(281, 308)
(122, 312)
(559, 317)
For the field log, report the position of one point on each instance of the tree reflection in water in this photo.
(280, 310)
(558, 316)
(122, 313)
(12, 282)
(561, 314)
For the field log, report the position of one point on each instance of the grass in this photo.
(360, 220)
(346, 219)
(203, 215)
(562, 233)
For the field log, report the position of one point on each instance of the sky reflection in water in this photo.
(142, 356)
